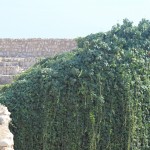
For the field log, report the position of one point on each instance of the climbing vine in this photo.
(94, 98)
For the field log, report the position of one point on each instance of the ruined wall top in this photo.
(35, 47)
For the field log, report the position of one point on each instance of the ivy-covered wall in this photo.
(94, 98)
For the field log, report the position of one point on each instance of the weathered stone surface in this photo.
(5, 79)
(34, 47)
(17, 55)
(6, 137)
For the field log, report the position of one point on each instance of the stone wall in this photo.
(6, 137)
(17, 55)
(34, 47)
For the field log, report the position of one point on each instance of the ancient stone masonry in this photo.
(17, 55)
(6, 137)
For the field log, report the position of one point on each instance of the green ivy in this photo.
(94, 98)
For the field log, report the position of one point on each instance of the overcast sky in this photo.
(66, 18)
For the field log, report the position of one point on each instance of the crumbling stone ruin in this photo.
(6, 137)
(17, 55)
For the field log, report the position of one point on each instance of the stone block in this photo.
(6, 137)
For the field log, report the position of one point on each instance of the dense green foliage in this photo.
(94, 98)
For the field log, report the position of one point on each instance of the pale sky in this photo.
(66, 18)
